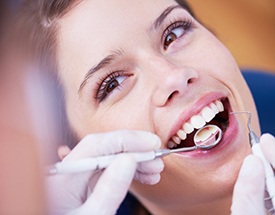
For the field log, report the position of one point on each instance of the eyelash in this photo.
(186, 25)
(101, 92)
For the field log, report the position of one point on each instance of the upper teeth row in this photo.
(197, 122)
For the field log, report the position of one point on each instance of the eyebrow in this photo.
(163, 16)
(102, 64)
(110, 58)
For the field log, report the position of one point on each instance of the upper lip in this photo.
(193, 110)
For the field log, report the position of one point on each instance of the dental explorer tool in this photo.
(101, 162)
(256, 149)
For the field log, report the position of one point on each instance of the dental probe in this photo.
(101, 162)
(256, 149)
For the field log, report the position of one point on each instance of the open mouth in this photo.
(216, 113)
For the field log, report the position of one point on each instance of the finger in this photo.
(268, 147)
(115, 142)
(248, 194)
(147, 179)
(112, 187)
(151, 167)
(149, 172)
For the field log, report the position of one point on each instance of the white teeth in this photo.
(197, 121)
(171, 144)
(207, 114)
(181, 134)
(219, 105)
(188, 128)
(176, 139)
(214, 108)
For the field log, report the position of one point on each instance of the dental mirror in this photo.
(205, 138)
(208, 136)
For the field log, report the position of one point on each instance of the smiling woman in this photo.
(144, 66)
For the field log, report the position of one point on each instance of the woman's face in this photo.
(148, 65)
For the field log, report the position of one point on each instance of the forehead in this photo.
(109, 19)
(119, 11)
(94, 27)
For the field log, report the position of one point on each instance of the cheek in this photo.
(231, 77)
(133, 117)
(226, 70)
(216, 61)
(219, 60)
(132, 112)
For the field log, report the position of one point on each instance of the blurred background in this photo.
(246, 27)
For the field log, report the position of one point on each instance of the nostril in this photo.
(172, 95)
(190, 81)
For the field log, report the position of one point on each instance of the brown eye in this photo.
(175, 32)
(169, 39)
(112, 85)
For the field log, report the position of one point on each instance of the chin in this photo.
(189, 189)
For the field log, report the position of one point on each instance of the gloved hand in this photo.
(248, 195)
(102, 191)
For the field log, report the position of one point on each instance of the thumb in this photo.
(112, 187)
(248, 194)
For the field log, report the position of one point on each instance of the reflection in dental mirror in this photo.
(208, 136)
(205, 138)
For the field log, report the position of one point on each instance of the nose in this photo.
(171, 81)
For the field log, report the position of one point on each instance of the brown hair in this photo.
(33, 36)
(37, 25)
(186, 6)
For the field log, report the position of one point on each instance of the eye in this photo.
(109, 83)
(114, 83)
(175, 31)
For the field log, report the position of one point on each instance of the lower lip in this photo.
(228, 137)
